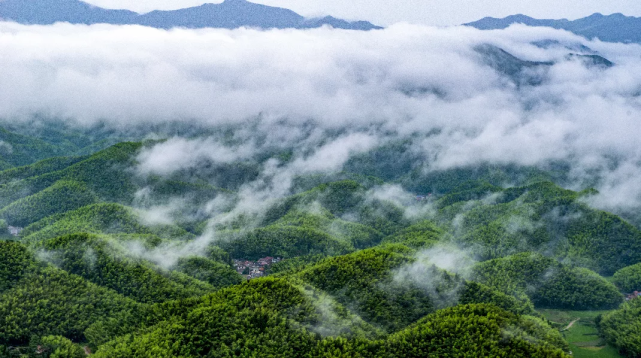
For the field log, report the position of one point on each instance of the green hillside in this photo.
(135, 265)
(97, 219)
(23, 144)
(282, 241)
(215, 273)
(38, 168)
(104, 173)
(621, 328)
(61, 197)
(423, 234)
(49, 301)
(628, 279)
(281, 321)
(548, 283)
(104, 262)
(15, 261)
(18, 150)
(541, 217)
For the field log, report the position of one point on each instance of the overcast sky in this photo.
(430, 12)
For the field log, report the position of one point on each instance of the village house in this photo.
(633, 295)
(254, 269)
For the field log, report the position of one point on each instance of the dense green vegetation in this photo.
(365, 281)
(18, 150)
(580, 330)
(282, 241)
(97, 219)
(358, 235)
(577, 288)
(49, 301)
(4, 231)
(478, 331)
(628, 279)
(215, 273)
(261, 317)
(421, 235)
(104, 173)
(295, 264)
(621, 328)
(136, 265)
(58, 347)
(389, 289)
(281, 321)
(548, 283)
(346, 197)
(539, 217)
(103, 262)
(61, 197)
(39, 168)
(15, 261)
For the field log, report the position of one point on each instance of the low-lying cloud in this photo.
(179, 153)
(331, 93)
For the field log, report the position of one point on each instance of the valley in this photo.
(344, 261)
(237, 180)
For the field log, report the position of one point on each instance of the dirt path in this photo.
(571, 324)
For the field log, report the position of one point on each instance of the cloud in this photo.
(167, 254)
(328, 94)
(131, 73)
(5, 148)
(333, 155)
(179, 153)
(425, 273)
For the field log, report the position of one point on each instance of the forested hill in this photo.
(126, 263)
(610, 28)
(230, 14)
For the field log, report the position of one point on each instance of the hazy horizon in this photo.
(435, 13)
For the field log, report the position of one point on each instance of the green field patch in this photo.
(583, 335)
(598, 343)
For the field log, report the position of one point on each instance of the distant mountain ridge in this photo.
(610, 28)
(229, 14)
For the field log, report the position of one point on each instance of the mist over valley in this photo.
(316, 191)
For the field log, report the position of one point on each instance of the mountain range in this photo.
(229, 14)
(83, 268)
(232, 14)
(609, 28)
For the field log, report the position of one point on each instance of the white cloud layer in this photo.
(180, 153)
(405, 80)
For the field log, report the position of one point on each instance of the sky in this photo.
(426, 12)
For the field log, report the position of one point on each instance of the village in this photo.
(254, 269)
(633, 295)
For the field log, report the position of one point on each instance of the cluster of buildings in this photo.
(633, 295)
(254, 269)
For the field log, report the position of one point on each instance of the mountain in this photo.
(611, 28)
(358, 277)
(46, 12)
(229, 14)
(520, 71)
